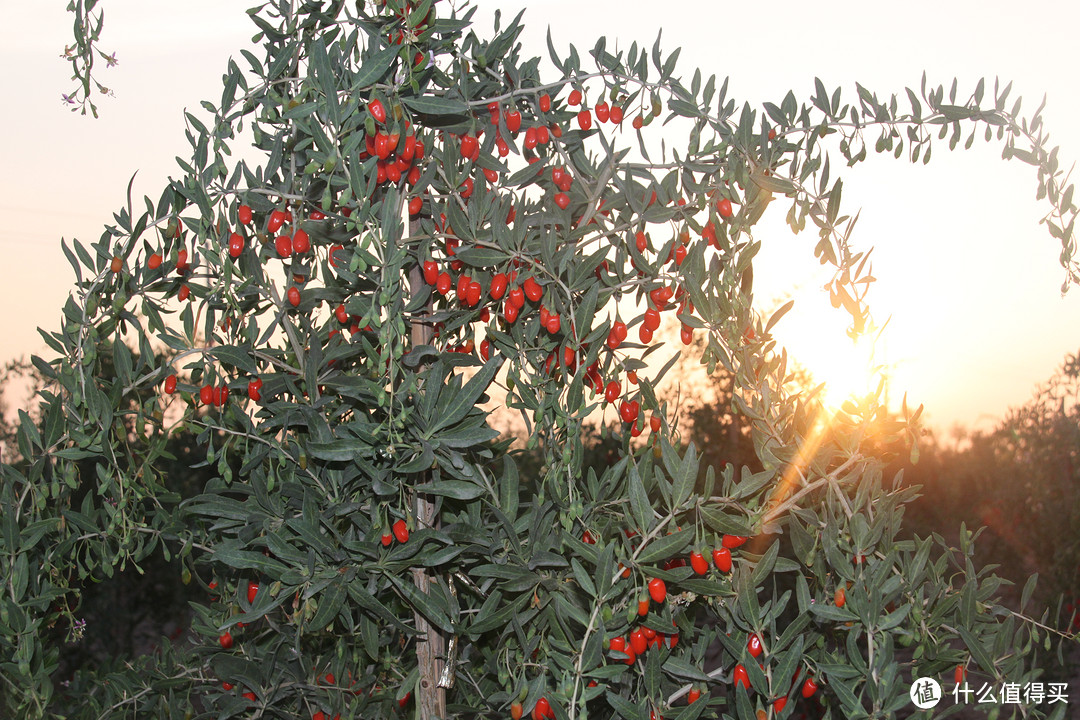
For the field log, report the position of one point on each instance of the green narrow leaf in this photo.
(1029, 588)
(375, 67)
(639, 502)
(978, 652)
(679, 668)
(765, 564)
(235, 356)
(435, 105)
(459, 405)
(457, 489)
(425, 603)
(666, 546)
(330, 602)
(686, 478)
(833, 613)
(582, 577)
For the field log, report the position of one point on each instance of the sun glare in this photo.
(844, 368)
(848, 370)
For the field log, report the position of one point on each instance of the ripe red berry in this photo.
(206, 394)
(724, 208)
(532, 289)
(517, 298)
(753, 645)
(657, 590)
(733, 541)
(401, 531)
(740, 677)
(575, 97)
(170, 385)
(443, 283)
(721, 558)
(531, 139)
(226, 640)
(680, 255)
(284, 246)
(542, 710)
(375, 107)
(254, 386)
(469, 146)
(294, 296)
(638, 642)
(416, 204)
(473, 292)
(331, 255)
(277, 219)
(697, 560)
(652, 319)
(562, 200)
(301, 243)
(603, 112)
(498, 286)
(809, 687)
(243, 214)
(513, 121)
(616, 335)
(686, 335)
(545, 103)
(431, 272)
(236, 245)
(154, 262)
(584, 120)
(252, 591)
(612, 392)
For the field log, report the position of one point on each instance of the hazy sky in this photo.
(968, 278)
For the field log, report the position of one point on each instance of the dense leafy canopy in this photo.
(432, 222)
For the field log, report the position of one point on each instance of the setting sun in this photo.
(817, 341)
(848, 369)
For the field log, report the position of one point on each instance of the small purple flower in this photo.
(69, 99)
(78, 629)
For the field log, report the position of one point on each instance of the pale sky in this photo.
(967, 276)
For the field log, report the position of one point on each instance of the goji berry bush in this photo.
(432, 226)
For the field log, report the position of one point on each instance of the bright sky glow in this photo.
(967, 278)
